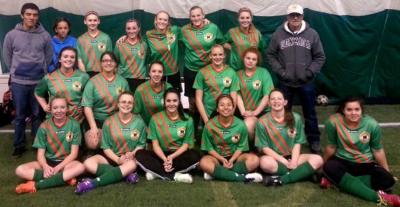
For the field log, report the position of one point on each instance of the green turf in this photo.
(201, 193)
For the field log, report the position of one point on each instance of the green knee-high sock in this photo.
(221, 173)
(240, 167)
(354, 186)
(282, 169)
(301, 172)
(38, 175)
(53, 181)
(103, 168)
(366, 179)
(111, 176)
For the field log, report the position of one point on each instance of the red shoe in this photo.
(28, 187)
(71, 182)
(325, 183)
(389, 199)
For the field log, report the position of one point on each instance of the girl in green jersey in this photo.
(57, 141)
(355, 158)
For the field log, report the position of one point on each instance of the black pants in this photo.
(150, 162)
(91, 73)
(335, 168)
(189, 77)
(134, 83)
(174, 80)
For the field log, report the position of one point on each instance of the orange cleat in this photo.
(28, 187)
(325, 183)
(389, 199)
(71, 182)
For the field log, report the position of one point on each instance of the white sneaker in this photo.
(183, 178)
(150, 176)
(207, 177)
(254, 177)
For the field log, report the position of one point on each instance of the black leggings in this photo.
(150, 162)
(335, 168)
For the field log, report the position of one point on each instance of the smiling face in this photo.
(197, 17)
(92, 22)
(171, 102)
(352, 112)
(250, 60)
(68, 59)
(245, 19)
(132, 29)
(58, 108)
(62, 30)
(30, 18)
(108, 64)
(125, 103)
(277, 101)
(161, 21)
(217, 56)
(156, 73)
(225, 107)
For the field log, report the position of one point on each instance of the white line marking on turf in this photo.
(222, 194)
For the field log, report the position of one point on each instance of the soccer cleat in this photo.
(272, 181)
(84, 186)
(150, 176)
(325, 183)
(183, 178)
(254, 177)
(71, 182)
(28, 187)
(207, 177)
(389, 199)
(132, 178)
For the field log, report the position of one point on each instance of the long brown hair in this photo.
(289, 117)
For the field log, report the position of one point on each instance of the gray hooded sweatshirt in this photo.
(27, 54)
(295, 57)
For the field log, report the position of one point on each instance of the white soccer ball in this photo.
(322, 100)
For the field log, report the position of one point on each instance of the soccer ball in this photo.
(322, 100)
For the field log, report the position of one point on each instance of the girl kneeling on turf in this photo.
(279, 134)
(57, 141)
(172, 133)
(356, 161)
(124, 133)
(225, 138)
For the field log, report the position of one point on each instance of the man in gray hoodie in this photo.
(296, 55)
(27, 52)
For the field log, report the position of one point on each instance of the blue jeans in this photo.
(307, 99)
(24, 99)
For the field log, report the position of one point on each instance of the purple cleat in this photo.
(84, 186)
(132, 178)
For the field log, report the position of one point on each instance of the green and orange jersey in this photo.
(132, 59)
(71, 86)
(164, 47)
(90, 50)
(355, 145)
(198, 44)
(240, 41)
(57, 141)
(278, 136)
(100, 95)
(213, 84)
(147, 101)
(123, 137)
(171, 135)
(225, 141)
(254, 88)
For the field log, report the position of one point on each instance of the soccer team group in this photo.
(128, 121)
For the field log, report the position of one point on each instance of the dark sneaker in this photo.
(84, 186)
(272, 180)
(388, 199)
(19, 151)
(132, 178)
(315, 148)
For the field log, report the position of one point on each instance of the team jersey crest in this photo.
(119, 90)
(235, 138)
(208, 37)
(291, 132)
(257, 84)
(170, 38)
(365, 137)
(181, 132)
(102, 47)
(69, 136)
(227, 82)
(135, 134)
(76, 86)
